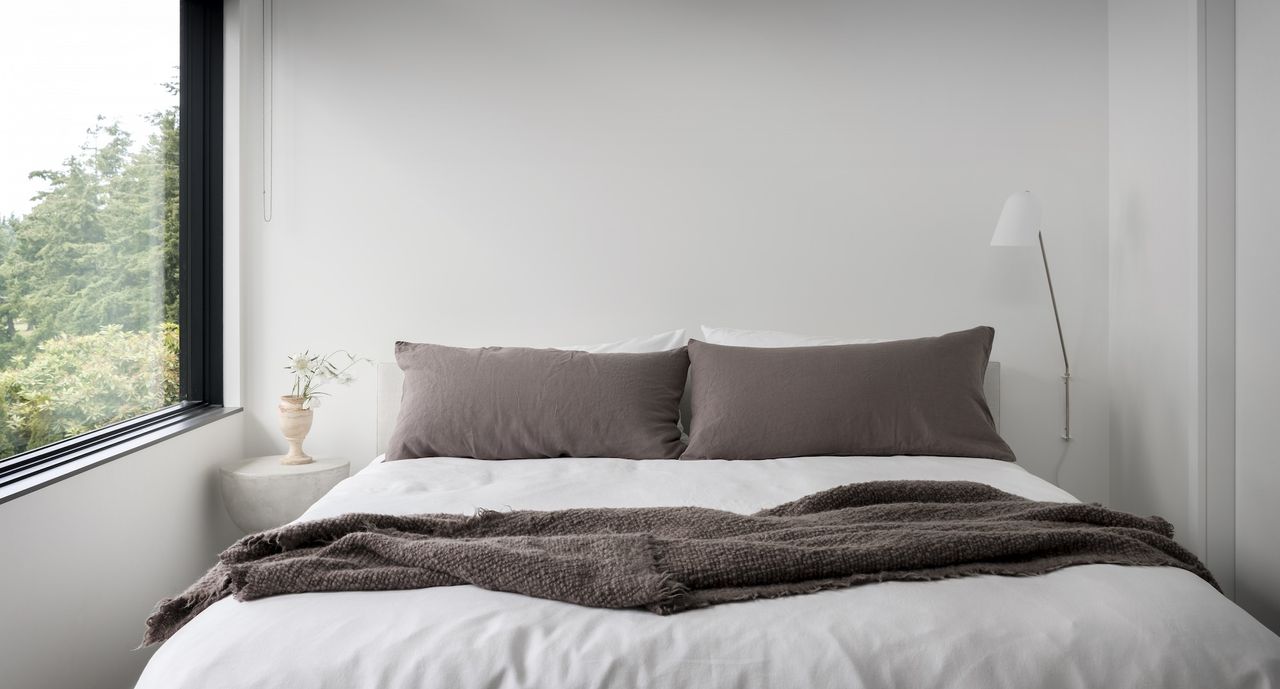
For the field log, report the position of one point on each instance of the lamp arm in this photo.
(1062, 342)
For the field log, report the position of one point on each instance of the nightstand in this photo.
(261, 493)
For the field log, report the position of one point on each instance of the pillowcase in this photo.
(515, 402)
(672, 339)
(906, 397)
(772, 338)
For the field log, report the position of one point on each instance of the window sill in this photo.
(110, 450)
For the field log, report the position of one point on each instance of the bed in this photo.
(1085, 626)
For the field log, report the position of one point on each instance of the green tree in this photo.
(89, 289)
(165, 143)
(91, 251)
(8, 329)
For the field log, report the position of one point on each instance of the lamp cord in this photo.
(268, 112)
(1066, 366)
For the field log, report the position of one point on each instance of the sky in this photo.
(63, 63)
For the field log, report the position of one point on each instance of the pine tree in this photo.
(90, 271)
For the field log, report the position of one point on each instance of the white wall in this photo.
(1258, 296)
(1154, 263)
(86, 559)
(491, 172)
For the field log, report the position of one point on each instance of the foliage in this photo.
(311, 371)
(89, 289)
(92, 250)
(76, 383)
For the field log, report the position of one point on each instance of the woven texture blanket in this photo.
(670, 559)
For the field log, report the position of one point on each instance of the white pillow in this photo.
(772, 338)
(672, 339)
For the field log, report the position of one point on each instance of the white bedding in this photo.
(1091, 626)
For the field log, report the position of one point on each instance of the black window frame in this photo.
(200, 202)
(200, 261)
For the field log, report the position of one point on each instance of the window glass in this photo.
(88, 215)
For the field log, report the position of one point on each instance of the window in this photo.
(110, 223)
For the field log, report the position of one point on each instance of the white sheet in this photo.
(1091, 626)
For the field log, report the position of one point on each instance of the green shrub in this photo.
(77, 383)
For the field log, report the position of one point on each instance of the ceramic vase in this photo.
(295, 422)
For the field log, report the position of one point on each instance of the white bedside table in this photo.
(261, 493)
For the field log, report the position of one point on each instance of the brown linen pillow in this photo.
(513, 403)
(909, 397)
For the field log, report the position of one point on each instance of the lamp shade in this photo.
(1019, 223)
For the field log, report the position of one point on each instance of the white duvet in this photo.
(1090, 626)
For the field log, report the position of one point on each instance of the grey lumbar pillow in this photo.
(907, 397)
(514, 403)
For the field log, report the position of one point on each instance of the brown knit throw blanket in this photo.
(669, 559)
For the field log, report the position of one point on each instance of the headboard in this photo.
(391, 378)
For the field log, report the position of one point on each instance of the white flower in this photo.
(301, 363)
(345, 378)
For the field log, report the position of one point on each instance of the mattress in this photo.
(1088, 626)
